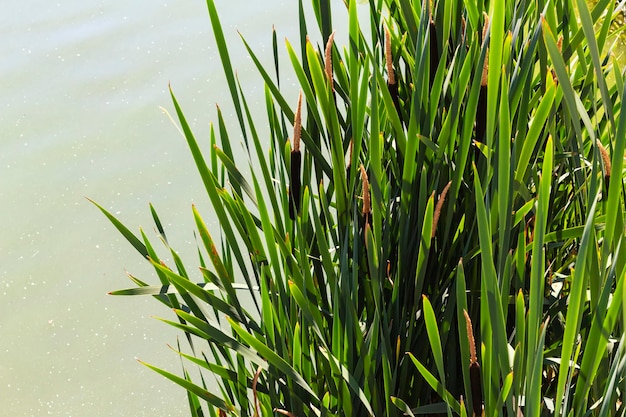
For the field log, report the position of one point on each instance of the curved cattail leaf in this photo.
(257, 411)
(367, 207)
(349, 161)
(606, 164)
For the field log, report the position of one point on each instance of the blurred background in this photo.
(81, 83)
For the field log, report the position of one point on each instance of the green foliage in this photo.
(449, 243)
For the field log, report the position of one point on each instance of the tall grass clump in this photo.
(436, 226)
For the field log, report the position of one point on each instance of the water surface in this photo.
(80, 88)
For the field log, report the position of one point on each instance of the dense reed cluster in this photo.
(437, 228)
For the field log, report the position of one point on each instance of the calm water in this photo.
(81, 83)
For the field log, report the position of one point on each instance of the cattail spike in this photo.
(389, 58)
(470, 337)
(485, 75)
(485, 26)
(297, 125)
(328, 60)
(475, 378)
(296, 163)
(606, 159)
(392, 83)
(438, 207)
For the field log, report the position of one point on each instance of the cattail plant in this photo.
(481, 111)
(392, 84)
(474, 369)
(296, 163)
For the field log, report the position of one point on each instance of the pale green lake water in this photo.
(81, 83)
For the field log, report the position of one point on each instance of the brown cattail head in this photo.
(485, 26)
(438, 207)
(475, 378)
(476, 389)
(367, 208)
(389, 58)
(328, 60)
(297, 125)
(392, 84)
(296, 163)
(485, 76)
(470, 337)
(606, 159)
(552, 72)
(295, 184)
(483, 79)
